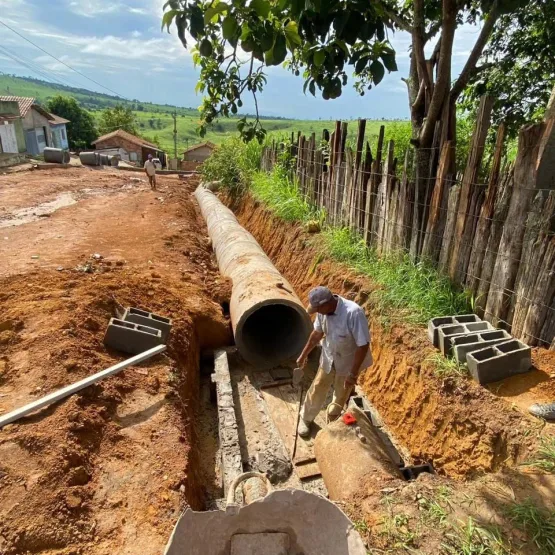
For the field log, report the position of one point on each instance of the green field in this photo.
(154, 121)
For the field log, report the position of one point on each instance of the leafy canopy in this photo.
(118, 117)
(234, 41)
(81, 131)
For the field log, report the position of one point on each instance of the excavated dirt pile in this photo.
(109, 469)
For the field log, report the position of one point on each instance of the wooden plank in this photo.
(436, 221)
(369, 201)
(460, 251)
(383, 200)
(308, 470)
(452, 204)
(486, 214)
(74, 388)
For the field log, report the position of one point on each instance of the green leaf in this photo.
(360, 65)
(312, 88)
(205, 48)
(292, 35)
(377, 70)
(319, 58)
(261, 7)
(211, 13)
(247, 45)
(168, 18)
(197, 22)
(277, 53)
(389, 61)
(229, 27)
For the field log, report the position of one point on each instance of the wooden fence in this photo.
(496, 237)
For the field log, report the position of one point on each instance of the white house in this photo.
(59, 131)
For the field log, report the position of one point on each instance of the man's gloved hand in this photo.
(298, 374)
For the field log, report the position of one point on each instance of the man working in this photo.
(342, 327)
(150, 170)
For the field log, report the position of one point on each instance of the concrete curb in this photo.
(500, 361)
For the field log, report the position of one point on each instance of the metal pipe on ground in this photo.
(269, 322)
(56, 155)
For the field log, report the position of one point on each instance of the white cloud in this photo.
(136, 34)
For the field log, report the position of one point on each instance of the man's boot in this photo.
(304, 428)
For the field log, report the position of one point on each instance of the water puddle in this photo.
(33, 213)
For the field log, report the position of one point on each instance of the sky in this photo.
(119, 45)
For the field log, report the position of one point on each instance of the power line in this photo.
(61, 62)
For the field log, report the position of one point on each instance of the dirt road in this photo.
(107, 470)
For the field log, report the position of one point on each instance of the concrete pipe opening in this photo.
(272, 333)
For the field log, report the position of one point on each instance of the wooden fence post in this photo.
(462, 236)
(375, 181)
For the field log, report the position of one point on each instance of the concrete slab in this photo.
(265, 543)
(435, 323)
(138, 316)
(131, 338)
(447, 332)
(500, 361)
(461, 345)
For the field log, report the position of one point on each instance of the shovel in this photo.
(298, 374)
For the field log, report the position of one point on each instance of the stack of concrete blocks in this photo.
(491, 355)
(137, 331)
(232, 465)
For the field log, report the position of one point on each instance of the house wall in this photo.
(13, 108)
(135, 151)
(59, 135)
(199, 154)
(36, 127)
(122, 153)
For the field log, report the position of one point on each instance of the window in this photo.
(63, 134)
(133, 156)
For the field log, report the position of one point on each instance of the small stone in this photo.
(73, 501)
(71, 365)
(97, 256)
(120, 262)
(182, 488)
(156, 275)
(78, 476)
(91, 324)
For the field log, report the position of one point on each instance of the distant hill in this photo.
(154, 120)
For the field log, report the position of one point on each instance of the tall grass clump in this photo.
(415, 290)
(282, 196)
(233, 163)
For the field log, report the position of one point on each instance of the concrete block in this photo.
(131, 338)
(435, 323)
(461, 345)
(499, 361)
(149, 319)
(262, 543)
(447, 332)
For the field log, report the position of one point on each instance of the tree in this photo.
(81, 130)
(118, 117)
(518, 66)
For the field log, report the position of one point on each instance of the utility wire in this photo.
(61, 62)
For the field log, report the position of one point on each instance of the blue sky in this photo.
(120, 45)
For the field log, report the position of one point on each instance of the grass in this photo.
(545, 456)
(434, 508)
(417, 291)
(471, 539)
(397, 532)
(444, 367)
(539, 525)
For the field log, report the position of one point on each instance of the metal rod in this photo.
(71, 389)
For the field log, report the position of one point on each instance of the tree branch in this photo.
(418, 45)
(395, 17)
(470, 66)
(441, 89)
(432, 31)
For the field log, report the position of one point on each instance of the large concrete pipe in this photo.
(89, 158)
(269, 322)
(56, 155)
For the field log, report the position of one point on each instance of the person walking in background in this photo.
(342, 327)
(150, 170)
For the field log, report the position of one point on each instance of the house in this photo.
(35, 121)
(59, 131)
(135, 149)
(199, 153)
(12, 137)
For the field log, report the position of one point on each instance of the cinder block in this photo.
(131, 338)
(435, 323)
(138, 316)
(461, 345)
(500, 361)
(447, 332)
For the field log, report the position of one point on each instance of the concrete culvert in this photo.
(269, 322)
(56, 155)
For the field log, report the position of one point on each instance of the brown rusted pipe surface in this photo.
(269, 322)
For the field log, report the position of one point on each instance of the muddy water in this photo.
(33, 213)
(460, 427)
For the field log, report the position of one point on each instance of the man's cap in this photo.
(150, 156)
(317, 297)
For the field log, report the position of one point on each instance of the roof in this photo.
(8, 117)
(195, 147)
(128, 137)
(57, 120)
(25, 104)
